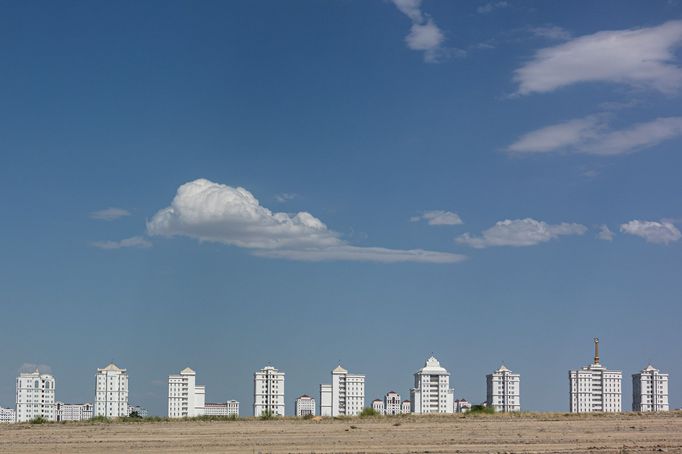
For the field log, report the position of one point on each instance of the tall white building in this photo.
(186, 399)
(650, 390)
(595, 388)
(305, 406)
(432, 392)
(345, 396)
(7, 415)
(111, 392)
(229, 408)
(268, 392)
(504, 390)
(74, 412)
(35, 396)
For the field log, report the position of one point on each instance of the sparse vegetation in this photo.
(267, 415)
(39, 420)
(368, 411)
(480, 409)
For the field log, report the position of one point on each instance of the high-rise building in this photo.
(111, 392)
(229, 408)
(185, 398)
(7, 415)
(268, 392)
(325, 400)
(305, 406)
(650, 390)
(432, 392)
(345, 396)
(35, 397)
(595, 388)
(74, 412)
(503, 390)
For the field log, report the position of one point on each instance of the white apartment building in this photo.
(378, 406)
(35, 396)
(392, 404)
(345, 396)
(7, 415)
(462, 406)
(74, 412)
(594, 388)
(111, 392)
(406, 407)
(325, 400)
(185, 398)
(650, 390)
(268, 392)
(229, 408)
(432, 392)
(305, 406)
(504, 390)
(141, 411)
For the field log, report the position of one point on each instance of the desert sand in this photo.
(537, 433)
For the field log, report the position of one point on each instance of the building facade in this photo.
(229, 408)
(305, 406)
(111, 392)
(503, 390)
(186, 399)
(406, 407)
(462, 406)
(392, 403)
(35, 397)
(74, 412)
(141, 411)
(7, 415)
(345, 396)
(650, 390)
(432, 392)
(268, 392)
(595, 388)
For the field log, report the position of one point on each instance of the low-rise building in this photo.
(7, 415)
(378, 406)
(462, 406)
(140, 411)
(229, 408)
(74, 412)
(405, 407)
(305, 406)
(650, 390)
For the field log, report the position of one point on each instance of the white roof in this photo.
(339, 370)
(187, 371)
(113, 367)
(432, 367)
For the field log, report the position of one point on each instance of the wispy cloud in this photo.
(109, 214)
(605, 233)
(520, 232)
(209, 211)
(491, 6)
(642, 57)
(593, 135)
(663, 232)
(424, 34)
(438, 217)
(551, 32)
(285, 197)
(132, 242)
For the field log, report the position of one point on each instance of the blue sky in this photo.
(488, 181)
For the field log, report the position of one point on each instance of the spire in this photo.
(596, 350)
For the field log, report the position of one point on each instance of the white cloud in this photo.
(285, 197)
(209, 211)
(424, 34)
(642, 57)
(520, 232)
(593, 135)
(491, 6)
(551, 32)
(32, 367)
(663, 232)
(132, 242)
(109, 214)
(605, 233)
(438, 217)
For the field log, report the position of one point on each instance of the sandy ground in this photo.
(536, 433)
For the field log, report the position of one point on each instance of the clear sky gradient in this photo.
(485, 181)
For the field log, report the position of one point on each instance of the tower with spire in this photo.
(595, 388)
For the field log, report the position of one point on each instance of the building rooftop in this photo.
(339, 370)
(187, 371)
(432, 367)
